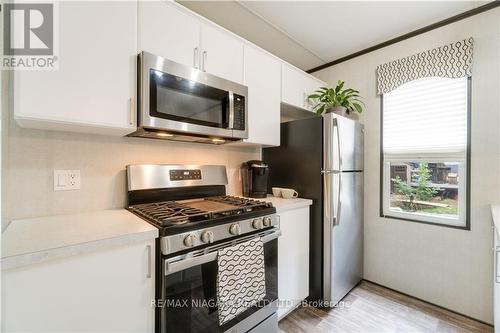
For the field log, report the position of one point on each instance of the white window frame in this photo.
(463, 159)
(460, 221)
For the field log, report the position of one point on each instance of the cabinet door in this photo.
(293, 259)
(312, 85)
(93, 87)
(105, 291)
(296, 86)
(167, 31)
(293, 87)
(263, 78)
(496, 279)
(222, 53)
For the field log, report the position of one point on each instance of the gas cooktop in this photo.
(189, 206)
(199, 212)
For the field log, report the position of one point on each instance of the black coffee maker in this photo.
(254, 174)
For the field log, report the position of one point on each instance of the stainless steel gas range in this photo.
(196, 220)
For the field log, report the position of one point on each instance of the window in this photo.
(425, 158)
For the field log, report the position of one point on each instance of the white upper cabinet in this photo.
(222, 53)
(296, 85)
(263, 78)
(94, 88)
(167, 31)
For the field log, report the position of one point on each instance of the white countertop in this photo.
(283, 205)
(34, 240)
(495, 212)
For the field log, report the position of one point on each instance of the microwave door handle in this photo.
(231, 110)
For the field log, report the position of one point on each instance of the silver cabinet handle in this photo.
(131, 111)
(204, 61)
(196, 60)
(148, 275)
(493, 229)
(497, 277)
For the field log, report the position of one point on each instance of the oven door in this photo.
(188, 300)
(181, 99)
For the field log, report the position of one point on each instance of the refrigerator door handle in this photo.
(336, 219)
(328, 199)
(327, 175)
(339, 150)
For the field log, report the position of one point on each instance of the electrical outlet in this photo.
(66, 180)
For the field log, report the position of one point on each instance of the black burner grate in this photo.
(245, 203)
(171, 213)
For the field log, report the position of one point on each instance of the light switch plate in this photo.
(66, 180)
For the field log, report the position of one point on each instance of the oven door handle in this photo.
(177, 266)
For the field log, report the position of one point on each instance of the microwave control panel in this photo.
(194, 174)
(239, 112)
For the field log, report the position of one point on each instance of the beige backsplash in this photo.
(30, 157)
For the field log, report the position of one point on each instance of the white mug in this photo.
(289, 193)
(277, 192)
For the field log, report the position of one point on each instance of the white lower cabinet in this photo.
(105, 291)
(496, 280)
(293, 259)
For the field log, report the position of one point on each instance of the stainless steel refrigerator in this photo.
(322, 158)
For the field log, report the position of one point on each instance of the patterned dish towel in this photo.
(241, 280)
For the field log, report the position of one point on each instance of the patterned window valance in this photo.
(453, 61)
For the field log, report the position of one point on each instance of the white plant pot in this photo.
(340, 110)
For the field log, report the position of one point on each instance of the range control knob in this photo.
(234, 229)
(207, 237)
(268, 221)
(189, 240)
(257, 224)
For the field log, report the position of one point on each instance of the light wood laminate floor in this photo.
(372, 308)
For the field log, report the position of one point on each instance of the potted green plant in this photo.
(338, 100)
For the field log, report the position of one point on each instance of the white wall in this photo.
(32, 155)
(448, 267)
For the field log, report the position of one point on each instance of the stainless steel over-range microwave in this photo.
(178, 102)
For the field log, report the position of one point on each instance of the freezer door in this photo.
(343, 143)
(343, 245)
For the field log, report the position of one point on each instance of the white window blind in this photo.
(427, 116)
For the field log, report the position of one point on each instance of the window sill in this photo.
(461, 227)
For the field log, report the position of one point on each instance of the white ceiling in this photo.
(311, 33)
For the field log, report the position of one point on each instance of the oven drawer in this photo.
(268, 325)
